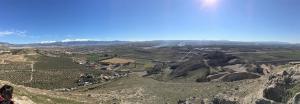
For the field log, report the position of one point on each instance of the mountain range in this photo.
(155, 43)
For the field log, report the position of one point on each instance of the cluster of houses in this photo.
(114, 76)
(86, 79)
(89, 79)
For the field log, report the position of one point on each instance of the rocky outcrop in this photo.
(276, 93)
(187, 66)
(278, 85)
(156, 69)
(218, 58)
(254, 68)
(239, 76)
(217, 76)
(202, 79)
(228, 77)
(266, 68)
(213, 77)
(217, 99)
(224, 99)
(235, 68)
(193, 100)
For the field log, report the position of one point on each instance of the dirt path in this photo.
(32, 70)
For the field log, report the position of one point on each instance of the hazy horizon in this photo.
(85, 40)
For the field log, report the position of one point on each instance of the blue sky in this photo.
(27, 21)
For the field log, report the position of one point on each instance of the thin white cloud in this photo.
(5, 33)
(72, 40)
(65, 40)
(13, 32)
(45, 42)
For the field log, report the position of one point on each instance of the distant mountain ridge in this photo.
(155, 43)
(72, 43)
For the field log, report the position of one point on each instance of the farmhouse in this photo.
(79, 61)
